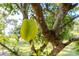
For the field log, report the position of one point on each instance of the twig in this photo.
(69, 22)
(15, 53)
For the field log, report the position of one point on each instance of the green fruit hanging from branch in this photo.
(29, 29)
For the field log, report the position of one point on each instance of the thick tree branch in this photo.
(63, 10)
(15, 53)
(56, 50)
(23, 8)
(74, 5)
(76, 38)
(40, 18)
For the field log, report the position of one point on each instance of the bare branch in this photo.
(14, 52)
(76, 38)
(64, 25)
(74, 5)
(43, 47)
(24, 10)
(32, 46)
(63, 10)
(17, 5)
(23, 7)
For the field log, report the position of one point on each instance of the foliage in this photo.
(31, 30)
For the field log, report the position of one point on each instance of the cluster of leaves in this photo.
(11, 8)
(65, 34)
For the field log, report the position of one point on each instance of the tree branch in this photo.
(15, 53)
(23, 8)
(47, 9)
(76, 38)
(32, 47)
(63, 10)
(17, 5)
(64, 25)
(74, 5)
(42, 47)
(40, 18)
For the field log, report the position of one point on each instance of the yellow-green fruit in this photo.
(29, 29)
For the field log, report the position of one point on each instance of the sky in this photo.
(9, 27)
